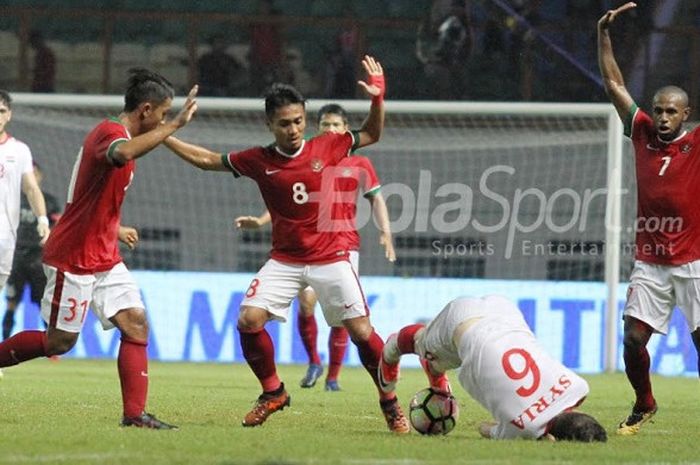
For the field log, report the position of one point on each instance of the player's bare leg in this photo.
(369, 346)
(308, 331)
(132, 365)
(259, 352)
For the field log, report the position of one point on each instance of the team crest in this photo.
(686, 148)
(347, 172)
(316, 165)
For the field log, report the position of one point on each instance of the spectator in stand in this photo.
(220, 74)
(341, 69)
(443, 46)
(44, 64)
(268, 62)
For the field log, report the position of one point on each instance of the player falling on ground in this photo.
(667, 261)
(26, 265)
(356, 173)
(502, 366)
(81, 258)
(296, 180)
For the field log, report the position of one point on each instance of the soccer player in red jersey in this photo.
(81, 258)
(354, 173)
(667, 262)
(296, 179)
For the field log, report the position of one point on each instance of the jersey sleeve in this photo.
(638, 123)
(340, 145)
(245, 163)
(109, 137)
(27, 164)
(369, 181)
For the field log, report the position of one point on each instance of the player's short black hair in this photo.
(332, 109)
(577, 426)
(146, 86)
(6, 98)
(280, 95)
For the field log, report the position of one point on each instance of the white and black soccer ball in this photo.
(433, 412)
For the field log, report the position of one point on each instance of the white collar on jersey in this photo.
(292, 155)
(680, 136)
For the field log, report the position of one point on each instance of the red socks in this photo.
(308, 331)
(637, 366)
(370, 351)
(21, 347)
(259, 352)
(337, 346)
(132, 364)
(405, 339)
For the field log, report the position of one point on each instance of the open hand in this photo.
(375, 85)
(606, 20)
(188, 109)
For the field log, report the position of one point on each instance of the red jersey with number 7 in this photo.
(294, 188)
(85, 239)
(668, 218)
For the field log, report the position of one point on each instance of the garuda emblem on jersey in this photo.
(316, 165)
(686, 148)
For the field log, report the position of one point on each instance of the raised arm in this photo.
(381, 218)
(144, 143)
(37, 203)
(371, 130)
(609, 69)
(195, 155)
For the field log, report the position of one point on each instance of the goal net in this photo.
(499, 191)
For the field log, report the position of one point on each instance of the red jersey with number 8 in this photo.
(295, 188)
(668, 218)
(85, 239)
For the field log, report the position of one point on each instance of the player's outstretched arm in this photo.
(381, 218)
(610, 71)
(144, 143)
(375, 87)
(31, 189)
(253, 222)
(129, 236)
(200, 157)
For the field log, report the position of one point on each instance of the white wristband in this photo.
(43, 220)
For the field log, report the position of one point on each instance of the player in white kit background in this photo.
(501, 365)
(16, 176)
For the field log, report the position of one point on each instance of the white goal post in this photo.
(494, 190)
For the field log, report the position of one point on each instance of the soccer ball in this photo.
(433, 412)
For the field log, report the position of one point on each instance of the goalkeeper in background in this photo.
(296, 179)
(667, 257)
(501, 365)
(357, 173)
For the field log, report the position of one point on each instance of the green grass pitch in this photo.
(68, 412)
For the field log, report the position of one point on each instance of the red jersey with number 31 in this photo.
(85, 239)
(294, 188)
(668, 217)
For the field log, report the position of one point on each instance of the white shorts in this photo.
(68, 296)
(354, 256)
(655, 290)
(6, 255)
(3, 280)
(336, 285)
